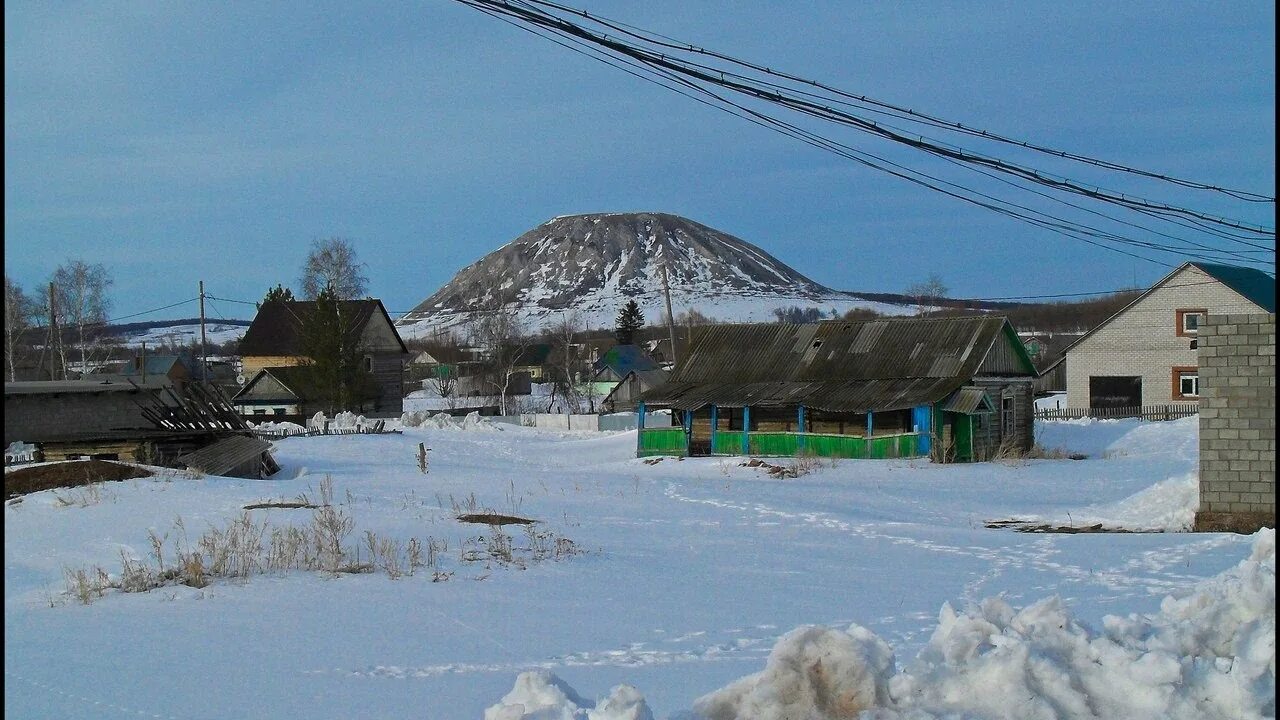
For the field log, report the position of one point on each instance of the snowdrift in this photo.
(1207, 654)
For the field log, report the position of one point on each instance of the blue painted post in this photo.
(688, 430)
(715, 421)
(868, 437)
(746, 427)
(800, 423)
(639, 426)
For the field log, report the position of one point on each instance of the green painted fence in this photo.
(837, 446)
(661, 441)
(671, 441)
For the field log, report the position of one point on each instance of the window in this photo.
(368, 363)
(277, 411)
(1189, 321)
(1186, 383)
(1008, 421)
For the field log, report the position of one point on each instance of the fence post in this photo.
(422, 457)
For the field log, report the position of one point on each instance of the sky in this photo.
(175, 143)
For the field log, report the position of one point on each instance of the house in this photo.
(153, 422)
(274, 340)
(1052, 378)
(277, 394)
(1145, 354)
(626, 393)
(617, 361)
(173, 369)
(956, 388)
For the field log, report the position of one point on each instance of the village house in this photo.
(274, 341)
(153, 422)
(1145, 354)
(625, 395)
(956, 389)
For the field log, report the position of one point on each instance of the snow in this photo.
(697, 586)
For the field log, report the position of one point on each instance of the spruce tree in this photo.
(629, 321)
(279, 292)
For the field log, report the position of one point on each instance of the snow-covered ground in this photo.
(216, 333)
(705, 586)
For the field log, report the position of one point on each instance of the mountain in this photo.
(595, 263)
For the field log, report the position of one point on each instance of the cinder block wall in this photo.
(1237, 359)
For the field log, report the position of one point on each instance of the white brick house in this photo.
(1146, 353)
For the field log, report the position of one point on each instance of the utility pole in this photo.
(55, 336)
(671, 318)
(204, 353)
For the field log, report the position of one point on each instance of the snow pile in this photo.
(1209, 653)
(444, 421)
(813, 672)
(1168, 506)
(284, 427)
(540, 695)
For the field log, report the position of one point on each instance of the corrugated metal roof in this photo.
(57, 387)
(225, 455)
(849, 366)
(969, 400)
(622, 359)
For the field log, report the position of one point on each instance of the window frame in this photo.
(1181, 321)
(1178, 372)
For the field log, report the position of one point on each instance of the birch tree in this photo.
(81, 304)
(18, 311)
(332, 264)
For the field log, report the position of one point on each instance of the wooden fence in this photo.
(1144, 412)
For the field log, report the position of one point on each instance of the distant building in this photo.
(1145, 354)
(274, 340)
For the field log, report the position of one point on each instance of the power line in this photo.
(895, 110)
(689, 74)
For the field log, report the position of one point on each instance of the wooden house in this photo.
(951, 388)
(156, 423)
(626, 394)
(274, 340)
(1145, 354)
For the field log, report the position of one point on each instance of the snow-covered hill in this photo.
(180, 332)
(593, 264)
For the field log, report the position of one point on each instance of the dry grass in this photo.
(245, 547)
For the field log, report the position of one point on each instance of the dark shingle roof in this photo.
(293, 377)
(622, 359)
(275, 329)
(1255, 285)
(882, 364)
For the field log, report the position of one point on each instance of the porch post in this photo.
(715, 420)
(868, 436)
(639, 427)
(746, 428)
(800, 424)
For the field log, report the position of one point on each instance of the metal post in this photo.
(715, 421)
(746, 430)
(869, 431)
(800, 424)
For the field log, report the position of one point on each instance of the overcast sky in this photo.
(178, 142)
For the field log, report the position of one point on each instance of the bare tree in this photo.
(566, 354)
(496, 326)
(927, 293)
(332, 264)
(444, 381)
(80, 299)
(18, 311)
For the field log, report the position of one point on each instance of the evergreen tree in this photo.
(629, 321)
(279, 292)
(337, 379)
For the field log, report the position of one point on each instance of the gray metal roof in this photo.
(61, 387)
(225, 455)
(969, 400)
(842, 366)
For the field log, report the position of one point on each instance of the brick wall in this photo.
(1237, 358)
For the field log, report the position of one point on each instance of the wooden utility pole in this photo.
(671, 318)
(204, 353)
(55, 336)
